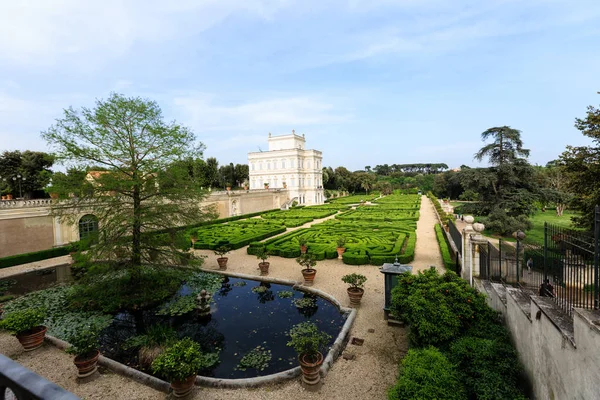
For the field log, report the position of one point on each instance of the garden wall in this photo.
(25, 228)
(560, 354)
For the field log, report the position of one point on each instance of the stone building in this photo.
(287, 165)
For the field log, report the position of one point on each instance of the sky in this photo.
(368, 82)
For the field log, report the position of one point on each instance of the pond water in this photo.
(35, 280)
(240, 321)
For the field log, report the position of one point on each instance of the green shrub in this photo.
(425, 374)
(181, 360)
(84, 339)
(490, 369)
(439, 308)
(23, 320)
(306, 338)
(449, 263)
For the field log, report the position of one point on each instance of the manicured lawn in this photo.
(536, 233)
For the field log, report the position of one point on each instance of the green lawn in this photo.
(536, 233)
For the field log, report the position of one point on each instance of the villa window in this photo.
(88, 226)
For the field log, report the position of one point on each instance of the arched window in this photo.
(88, 226)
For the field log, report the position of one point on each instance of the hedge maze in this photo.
(374, 234)
(236, 234)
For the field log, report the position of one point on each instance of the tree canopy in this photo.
(144, 187)
(33, 167)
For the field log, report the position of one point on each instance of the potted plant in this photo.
(284, 185)
(302, 241)
(341, 242)
(84, 345)
(307, 262)
(27, 326)
(266, 185)
(179, 364)
(263, 254)
(307, 341)
(355, 291)
(222, 260)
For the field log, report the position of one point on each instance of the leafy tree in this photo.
(211, 172)
(506, 147)
(33, 166)
(582, 166)
(144, 189)
(73, 183)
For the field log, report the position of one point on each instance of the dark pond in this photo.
(35, 280)
(240, 320)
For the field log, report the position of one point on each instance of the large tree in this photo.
(506, 190)
(143, 188)
(31, 170)
(582, 166)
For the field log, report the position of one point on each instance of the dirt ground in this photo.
(366, 377)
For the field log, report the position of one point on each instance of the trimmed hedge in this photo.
(444, 249)
(25, 258)
(236, 234)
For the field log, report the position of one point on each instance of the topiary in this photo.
(306, 339)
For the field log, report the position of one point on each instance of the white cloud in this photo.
(44, 33)
(288, 112)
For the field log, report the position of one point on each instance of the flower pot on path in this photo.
(184, 387)
(222, 261)
(86, 364)
(355, 295)
(311, 368)
(32, 339)
(309, 276)
(264, 268)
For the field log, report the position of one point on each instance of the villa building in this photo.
(288, 165)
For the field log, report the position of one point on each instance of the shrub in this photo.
(305, 338)
(490, 369)
(307, 261)
(23, 320)
(181, 360)
(439, 308)
(425, 374)
(84, 340)
(446, 256)
(354, 280)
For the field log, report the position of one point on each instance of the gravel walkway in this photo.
(366, 377)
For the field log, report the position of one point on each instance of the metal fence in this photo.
(565, 266)
(455, 235)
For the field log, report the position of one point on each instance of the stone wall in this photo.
(27, 226)
(560, 354)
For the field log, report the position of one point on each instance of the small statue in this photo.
(203, 303)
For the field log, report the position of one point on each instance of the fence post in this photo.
(500, 258)
(517, 259)
(596, 255)
(545, 250)
(489, 261)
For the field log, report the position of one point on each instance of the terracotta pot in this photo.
(264, 268)
(310, 368)
(340, 251)
(309, 276)
(228, 188)
(9, 197)
(54, 196)
(303, 249)
(184, 387)
(355, 295)
(222, 261)
(33, 338)
(86, 364)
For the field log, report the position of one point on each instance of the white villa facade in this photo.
(287, 165)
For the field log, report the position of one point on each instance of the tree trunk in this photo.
(136, 258)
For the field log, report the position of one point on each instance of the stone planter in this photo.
(309, 276)
(222, 261)
(264, 267)
(355, 295)
(311, 368)
(184, 387)
(33, 338)
(86, 364)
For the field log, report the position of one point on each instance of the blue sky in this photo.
(368, 82)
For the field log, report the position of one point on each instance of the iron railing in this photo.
(565, 266)
(18, 382)
(456, 236)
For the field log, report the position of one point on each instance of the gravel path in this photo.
(366, 377)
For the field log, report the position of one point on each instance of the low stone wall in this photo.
(560, 354)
